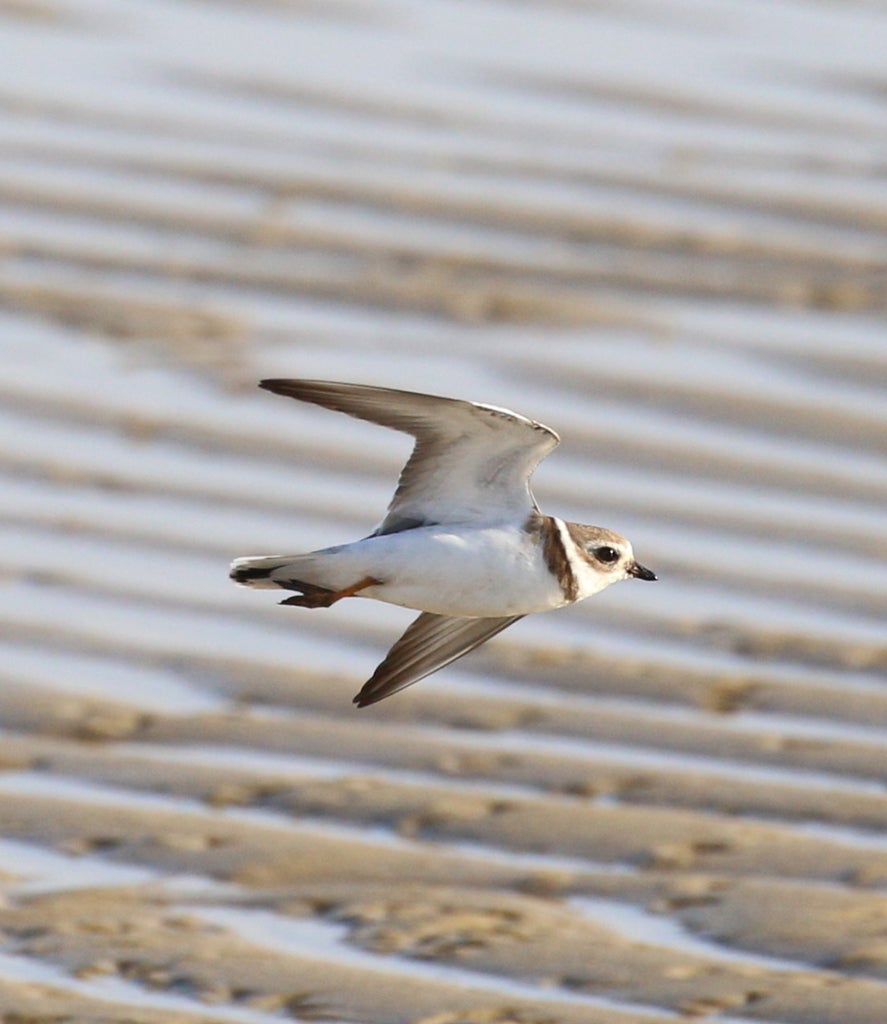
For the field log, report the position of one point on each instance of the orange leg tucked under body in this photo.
(320, 597)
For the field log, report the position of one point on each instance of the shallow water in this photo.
(658, 228)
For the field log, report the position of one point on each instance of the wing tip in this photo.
(318, 391)
(376, 688)
(364, 698)
(276, 384)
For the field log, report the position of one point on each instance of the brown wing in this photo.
(429, 643)
(471, 462)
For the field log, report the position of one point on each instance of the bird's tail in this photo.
(264, 571)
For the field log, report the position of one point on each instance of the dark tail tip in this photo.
(245, 574)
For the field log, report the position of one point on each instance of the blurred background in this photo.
(657, 226)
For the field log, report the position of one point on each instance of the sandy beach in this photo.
(658, 227)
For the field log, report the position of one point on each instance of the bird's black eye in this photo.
(606, 554)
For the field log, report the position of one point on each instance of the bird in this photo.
(463, 540)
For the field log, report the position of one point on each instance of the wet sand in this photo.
(658, 228)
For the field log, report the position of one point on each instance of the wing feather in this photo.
(470, 463)
(429, 643)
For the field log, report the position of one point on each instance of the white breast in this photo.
(491, 571)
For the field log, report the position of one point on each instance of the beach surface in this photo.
(657, 227)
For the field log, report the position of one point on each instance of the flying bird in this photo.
(463, 540)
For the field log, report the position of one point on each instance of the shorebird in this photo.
(463, 540)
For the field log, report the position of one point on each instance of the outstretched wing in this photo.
(430, 643)
(470, 463)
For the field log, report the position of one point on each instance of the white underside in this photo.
(459, 571)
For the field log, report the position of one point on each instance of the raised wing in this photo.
(471, 462)
(430, 643)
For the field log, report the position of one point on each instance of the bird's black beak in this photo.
(640, 572)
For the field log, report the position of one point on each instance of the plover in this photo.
(463, 541)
